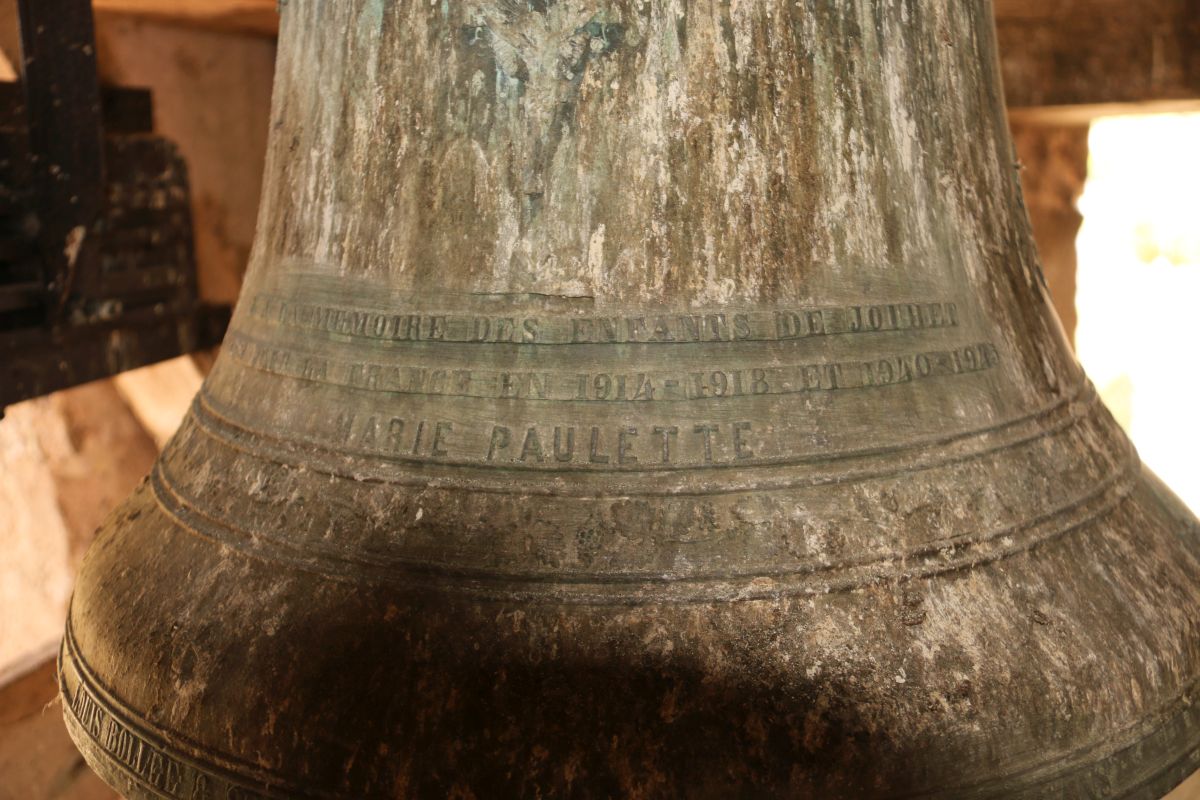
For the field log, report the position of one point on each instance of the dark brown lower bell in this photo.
(641, 399)
(1044, 657)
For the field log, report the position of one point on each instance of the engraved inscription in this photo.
(622, 445)
(665, 328)
(657, 448)
(149, 764)
(395, 435)
(152, 766)
(615, 387)
(615, 407)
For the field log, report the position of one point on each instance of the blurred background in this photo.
(1104, 101)
(1138, 285)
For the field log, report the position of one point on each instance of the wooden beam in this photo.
(241, 16)
(1093, 52)
(1077, 55)
(1086, 113)
(37, 758)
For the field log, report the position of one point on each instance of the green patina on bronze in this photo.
(644, 399)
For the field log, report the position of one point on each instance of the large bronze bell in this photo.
(641, 398)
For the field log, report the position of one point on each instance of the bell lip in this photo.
(220, 776)
(1120, 774)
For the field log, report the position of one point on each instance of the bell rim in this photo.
(1083, 777)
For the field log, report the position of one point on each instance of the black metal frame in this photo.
(97, 264)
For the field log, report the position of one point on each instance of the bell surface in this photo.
(641, 398)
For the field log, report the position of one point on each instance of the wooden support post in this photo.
(66, 136)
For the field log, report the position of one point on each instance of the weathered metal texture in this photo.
(641, 399)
